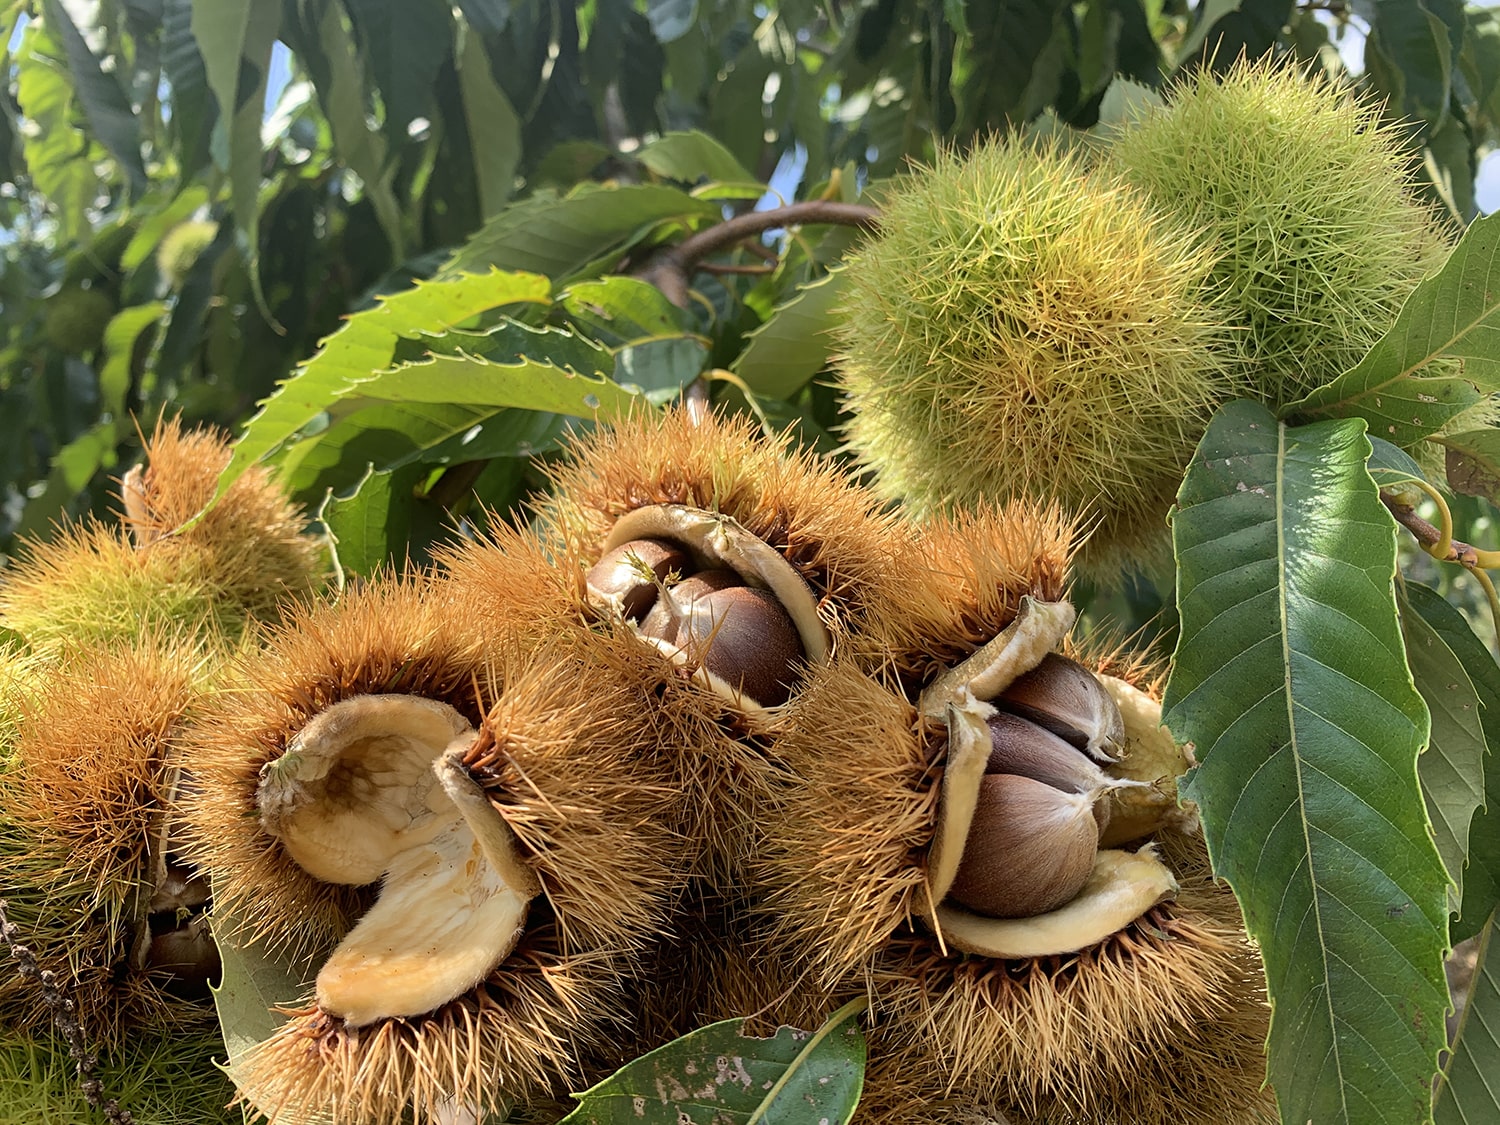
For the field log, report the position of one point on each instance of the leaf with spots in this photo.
(1291, 680)
(718, 1075)
(1434, 362)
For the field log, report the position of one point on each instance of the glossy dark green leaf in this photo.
(109, 113)
(1415, 57)
(717, 1075)
(1451, 769)
(1391, 466)
(559, 237)
(1473, 462)
(1455, 313)
(1470, 1094)
(366, 434)
(660, 368)
(193, 106)
(1290, 678)
(385, 522)
(1482, 877)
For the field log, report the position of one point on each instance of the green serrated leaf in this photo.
(793, 345)
(1472, 460)
(405, 44)
(660, 368)
(690, 156)
(621, 310)
(1470, 1094)
(1290, 678)
(1482, 876)
(1454, 313)
(365, 344)
(717, 1075)
(1451, 768)
(526, 384)
(1416, 42)
(384, 522)
(57, 154)
(364, 435)
(563, 237)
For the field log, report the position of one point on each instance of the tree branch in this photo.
(1428, 535)
(670, 269)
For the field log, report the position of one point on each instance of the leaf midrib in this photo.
(1291, 719)
(1427, 358)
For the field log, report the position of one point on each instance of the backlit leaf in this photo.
(365, 344)
(793, 344)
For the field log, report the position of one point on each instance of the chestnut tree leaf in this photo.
(690, 156)
(718, 1075)
(793, 345)
(1451, 768)
(1473, 463)
(1481, 887)
(366, 343)
(253, 983)
(1290, 678)
(1470, 1093)
(581, 233)
(1453, 314)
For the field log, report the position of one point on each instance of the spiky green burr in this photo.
(1307, 194)
(1026, 326)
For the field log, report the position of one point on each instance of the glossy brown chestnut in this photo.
(1030, 848)
(1067, 699)
(621, 573)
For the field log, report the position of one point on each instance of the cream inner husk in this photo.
(717, 540)
(374, 788)
(1150, 755)
(1118, 891)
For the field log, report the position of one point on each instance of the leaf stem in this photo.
(1440, 544)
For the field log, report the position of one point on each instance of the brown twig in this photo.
(1428, 534)
(67, 1022)
(669, 270)
(718, 268)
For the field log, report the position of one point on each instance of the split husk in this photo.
(562, 764)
